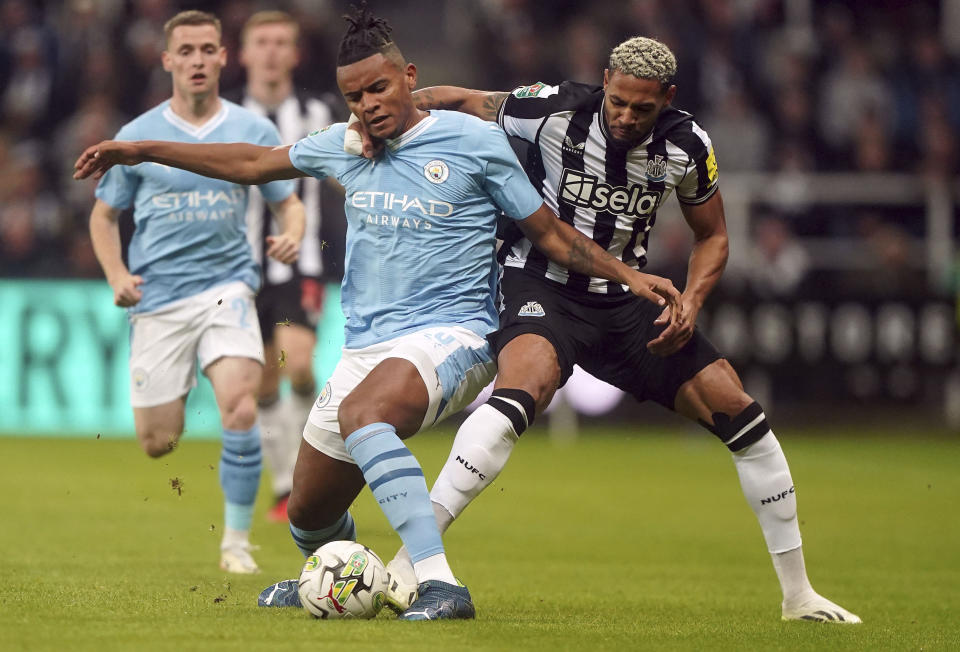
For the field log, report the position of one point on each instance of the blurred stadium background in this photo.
(836, 130)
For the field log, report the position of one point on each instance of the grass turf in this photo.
(616, 541)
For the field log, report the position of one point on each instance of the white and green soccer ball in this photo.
(343, 579)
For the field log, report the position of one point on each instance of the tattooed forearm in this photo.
(563, 244)
(426, 99)
(585, 255)
(447, 98)
(482, 104)
(491, 105)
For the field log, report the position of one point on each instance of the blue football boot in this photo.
(281, 594)
(438, 600)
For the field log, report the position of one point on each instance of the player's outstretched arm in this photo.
(105, 237)
(237, 162)
(707, 261)
(292, 218)
(483, 104)
(566, 246)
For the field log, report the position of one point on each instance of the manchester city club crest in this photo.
(436, 171)
(657, 168)
(325, 396)
(140, 378)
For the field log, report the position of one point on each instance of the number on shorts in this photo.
(240, 305)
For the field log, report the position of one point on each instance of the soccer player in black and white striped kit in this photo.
(291, 298)
(605, 158)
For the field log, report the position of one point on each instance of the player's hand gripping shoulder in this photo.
(97, 159)
(482, 104)
(357, 141)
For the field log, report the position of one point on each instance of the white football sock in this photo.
(792, 574)
(231, 538)
(275, 443)
(444, 519)
(768, 488)
(434, 567)
(480, 451)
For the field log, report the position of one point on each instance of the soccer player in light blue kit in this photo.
(418, 293)
(189, 289)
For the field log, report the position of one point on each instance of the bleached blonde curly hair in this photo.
(644, 58)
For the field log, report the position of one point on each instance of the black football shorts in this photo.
(606, 336)
(281, 303)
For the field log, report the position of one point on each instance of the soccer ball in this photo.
(343, 579)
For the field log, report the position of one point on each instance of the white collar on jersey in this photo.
(197, 131)
(396, 143)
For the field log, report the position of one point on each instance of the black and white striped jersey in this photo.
(295, 118)
(608, 192)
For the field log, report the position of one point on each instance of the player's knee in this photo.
(543, 398)
(741, 425)
(269, 387)
(540, 390)
(307, 516)
(240, 413)
(357, 411)
(157, 442)
(738, 403)
(301, 375)
(352, 413)
(268, 400)
(297, 514)
(532, 368)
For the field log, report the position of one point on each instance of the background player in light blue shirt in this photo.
(418, 292)
(191, 280)
(290, 302)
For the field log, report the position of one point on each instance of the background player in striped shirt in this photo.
(417, 292)
(291, 298)
(605, 158)
(191, 280)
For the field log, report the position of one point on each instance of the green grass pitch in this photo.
(618, 541)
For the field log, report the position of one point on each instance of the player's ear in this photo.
(669, 95)
(165, 60)
(223, 56)
(410, 73)
(606, 78)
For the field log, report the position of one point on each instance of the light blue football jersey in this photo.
(190, 230)
(421, 223)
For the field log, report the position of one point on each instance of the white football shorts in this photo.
(455, 365)
(166, 344)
